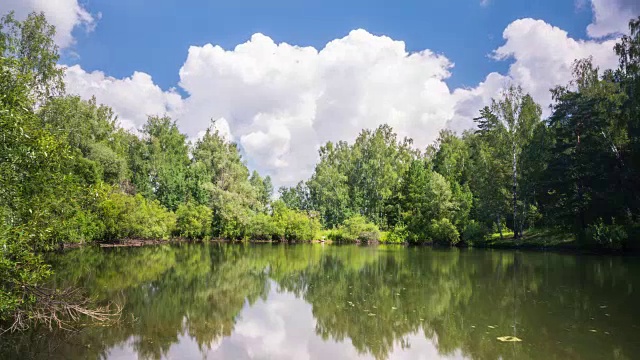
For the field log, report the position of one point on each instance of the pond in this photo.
(268, 301)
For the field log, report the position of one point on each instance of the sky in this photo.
(281, 78)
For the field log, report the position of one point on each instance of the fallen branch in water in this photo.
(59, 308)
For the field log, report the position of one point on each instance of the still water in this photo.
(216, 301)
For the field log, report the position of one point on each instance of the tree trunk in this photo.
(523, 218)
(499, 226)
(515, 200)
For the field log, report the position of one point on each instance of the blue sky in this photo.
(321, 71)
(131, 36)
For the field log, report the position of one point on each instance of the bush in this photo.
(397, 235)
(475, 232)
(443, 232)
(193, 221)
(293, 225)
(126, 216)
(153, 221)
(608, 236)
(262, 227)
(301, 227)
(338, 235)
(356, 228)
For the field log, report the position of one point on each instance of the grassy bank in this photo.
(533, 239)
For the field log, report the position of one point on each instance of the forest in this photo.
(69, 174)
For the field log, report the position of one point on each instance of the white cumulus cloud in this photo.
(280, 102)
(132, 98)
(542, 56)
(65, 15)
(612, 16)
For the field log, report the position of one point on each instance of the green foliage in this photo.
(35, 193)
(111, 167)
(167, 154)
(475, 232)
(424, 196)
(443, 232)
(294, 225)
(80, 123)
(397, 235)
(296, 197)
(263, 227)
(356, 228)
(360, 178)
(126, 216)
(263, 188)
(359, 228)
(193, 221)
(610, 236)
(224, 180)
(508, 127)
(28, 49)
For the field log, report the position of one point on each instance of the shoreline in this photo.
(570, 247)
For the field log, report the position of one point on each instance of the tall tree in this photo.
(508, 125)
(628, 76)
(233, 198)
(296, 197)
(30, 49)
(168, 156)
(585, 171)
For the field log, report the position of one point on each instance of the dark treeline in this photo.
(69, 174)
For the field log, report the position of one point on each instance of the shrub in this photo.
(262, 227)
(443, 232)
(357, 228)
(301, 227)
(475, 232)
(126, 216)
(153, 221)
(397, 235)
(294, 225)
(338, 235)
(193, 221)
(608, 236)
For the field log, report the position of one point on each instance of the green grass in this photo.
(533, 238)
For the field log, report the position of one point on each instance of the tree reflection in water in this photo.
(344, 301)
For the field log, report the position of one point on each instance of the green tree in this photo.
(37, 197)
(508, 125)
(425, 197)
(628, 76)
(297, 197)
(585, 172)
(28, 48)
(263, 188)
(168, 157)
(233, 199)
(193, 221)
(452, 159)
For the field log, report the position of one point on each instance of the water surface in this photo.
(216, 301)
